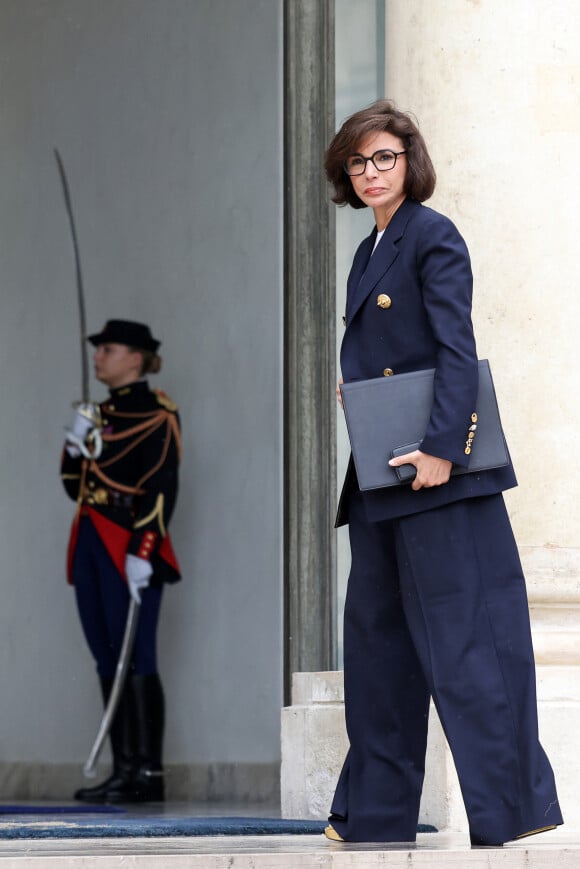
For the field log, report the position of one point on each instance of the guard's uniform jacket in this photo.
(129, 492)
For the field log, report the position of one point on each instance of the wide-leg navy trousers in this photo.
(437, 607)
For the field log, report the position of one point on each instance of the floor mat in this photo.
(91, 828)
(48, 809)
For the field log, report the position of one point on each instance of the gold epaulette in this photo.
(165, 401)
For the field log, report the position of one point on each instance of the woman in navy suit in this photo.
(436, 603)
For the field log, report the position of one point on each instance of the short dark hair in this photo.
(382, 116)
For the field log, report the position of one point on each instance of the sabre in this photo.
(79, 277)
(133, 614)
(85, 406)
(116, 690)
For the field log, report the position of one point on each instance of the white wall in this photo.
(169, 120)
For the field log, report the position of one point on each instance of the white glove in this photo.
(86, 421)
(138, 572)
(87, 416)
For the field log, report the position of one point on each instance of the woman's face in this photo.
(381, 190)
(116, 364)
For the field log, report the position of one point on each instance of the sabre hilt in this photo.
(85, 432)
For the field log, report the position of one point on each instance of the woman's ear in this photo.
(139, 359)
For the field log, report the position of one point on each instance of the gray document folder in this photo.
(387, 413)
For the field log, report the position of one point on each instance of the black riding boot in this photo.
(121, 738)
(148, 708)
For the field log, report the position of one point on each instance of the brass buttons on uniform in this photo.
(474, 417)
(101, 496)
(147, 544)
(388, 372)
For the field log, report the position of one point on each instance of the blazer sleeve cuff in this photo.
(443, 448)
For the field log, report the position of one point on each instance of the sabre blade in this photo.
(79, 279)
(117, 689)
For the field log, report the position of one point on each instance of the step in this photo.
(554, 850)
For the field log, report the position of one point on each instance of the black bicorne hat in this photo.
(136, 335)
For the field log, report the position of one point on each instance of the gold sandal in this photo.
(331, 833)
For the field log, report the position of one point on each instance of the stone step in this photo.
(555, 850)
(314, 744)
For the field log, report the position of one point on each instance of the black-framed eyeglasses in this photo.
(382, 160)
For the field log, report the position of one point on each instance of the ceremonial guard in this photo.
(120, 464)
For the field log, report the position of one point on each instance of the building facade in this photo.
(193, 136)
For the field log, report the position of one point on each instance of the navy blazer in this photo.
(408, 308)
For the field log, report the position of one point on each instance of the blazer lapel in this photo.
(357, 271)
(382, 259)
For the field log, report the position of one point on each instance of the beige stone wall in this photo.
(496, 89)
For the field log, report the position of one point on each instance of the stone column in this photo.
(309, 413)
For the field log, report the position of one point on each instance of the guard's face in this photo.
(116, 364)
